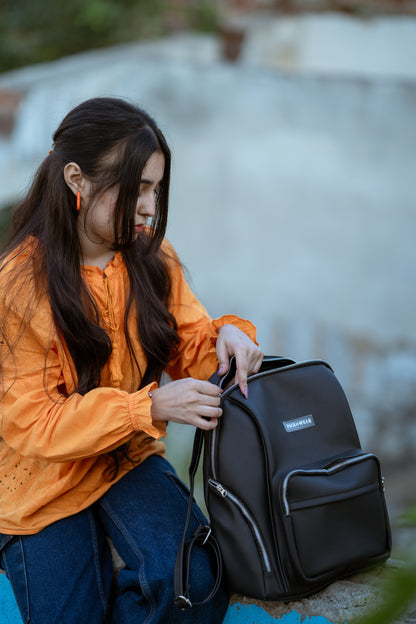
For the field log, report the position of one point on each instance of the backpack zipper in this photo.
(331, 468)
(213, 436)
(223, 492)
(220, 489)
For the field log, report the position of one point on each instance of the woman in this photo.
(94, 307)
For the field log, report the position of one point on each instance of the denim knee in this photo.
(144, 514)
(63, 573)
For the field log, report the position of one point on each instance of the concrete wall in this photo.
(292, 194)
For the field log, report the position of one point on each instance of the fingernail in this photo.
(220, 370)
(245, 392)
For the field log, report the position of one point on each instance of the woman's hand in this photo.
(195, 402)
(248, 356)
(188, 401)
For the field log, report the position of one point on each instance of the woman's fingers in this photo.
(188, 401)
(207, 388)
(207, 424)
(248, 356)
(248, 364)
(207, 411)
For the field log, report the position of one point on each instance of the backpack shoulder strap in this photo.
(202, 535)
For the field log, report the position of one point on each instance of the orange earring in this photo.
(78, 201)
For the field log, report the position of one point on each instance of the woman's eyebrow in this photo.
(146, 181)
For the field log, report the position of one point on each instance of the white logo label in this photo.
(299, 423)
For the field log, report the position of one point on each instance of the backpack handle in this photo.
(269, 362)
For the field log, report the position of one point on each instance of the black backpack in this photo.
(294, 502)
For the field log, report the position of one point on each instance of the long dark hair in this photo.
(88, 135)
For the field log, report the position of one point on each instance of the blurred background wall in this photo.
(293, 131)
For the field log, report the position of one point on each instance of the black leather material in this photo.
(203, 535)
(294, 501)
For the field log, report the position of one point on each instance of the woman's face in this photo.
(96, 226)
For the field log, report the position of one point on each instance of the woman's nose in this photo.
(147, 205)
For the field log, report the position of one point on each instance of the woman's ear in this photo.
(74, 177)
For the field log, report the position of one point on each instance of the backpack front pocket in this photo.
(335, 517)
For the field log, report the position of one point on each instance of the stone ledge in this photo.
(340, 603)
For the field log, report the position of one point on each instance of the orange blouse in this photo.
(54, 442)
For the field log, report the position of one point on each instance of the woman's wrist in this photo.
(154, 412)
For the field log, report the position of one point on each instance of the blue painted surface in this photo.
(236, 614)
(9, 613)
(251, 614)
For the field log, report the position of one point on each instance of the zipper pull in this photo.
(217, 486)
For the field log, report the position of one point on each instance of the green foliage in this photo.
(202, 15)
(409, 517)
(399, 594)
(399, 591)
(33, 31)
(41, 30)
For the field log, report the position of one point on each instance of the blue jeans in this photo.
(64, 573)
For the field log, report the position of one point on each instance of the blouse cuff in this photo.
(230, 319)
(140, 406)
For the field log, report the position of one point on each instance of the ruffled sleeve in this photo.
(37, 417)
